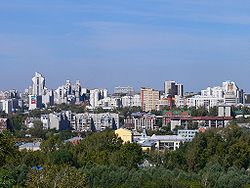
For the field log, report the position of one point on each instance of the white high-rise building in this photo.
(6, 106)
(214, 92)
(60, 95)
(204, 101)
(77, 91)
(38, 84)
(172, 88)
(39, 95)
(109, 103)
(131, 101)
(68, 88)
(232, 92)
(48, 98)
(229, 86)
(96, 95)
(228, 94)
(69, 93)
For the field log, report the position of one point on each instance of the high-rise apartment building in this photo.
(96, 95)
(38, 84)
(228, 94)
(69, 93)
(77, 91)
(180, 90)
(232, 91)
(172, 88)
(39, 95)
(149, 99)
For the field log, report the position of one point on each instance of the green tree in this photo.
(57, 177)
(200, 111)
(239, 154)
(37, 131)
(233, 178)
(97, 148)
(16, 121)
(8, 149)
(210, 174)
(30, 158)
(61, 157)
(51, 144)
(6, 181)
(130, 155)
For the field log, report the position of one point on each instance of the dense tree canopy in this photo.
(7, 148)
(57, 177)
(215, 158)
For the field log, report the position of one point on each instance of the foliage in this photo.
(201, 111)
(110, 176)
(216, 158)
(15, 174)
(37, 131)
(17, 121)
(229, 147)
(105, 148)
(6, 181)
(213, 175)
(30, 158)
(56, 176)
(81, 108)
(7, 148)
(166, 130)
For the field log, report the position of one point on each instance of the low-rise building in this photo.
(75, 140)
(125, 134)
(183, 119)
(29, 122)
(109, 103)
(140, 120)
(31, 146)
(144, 141)
(4, 124)
(188, 135)
(169, 142)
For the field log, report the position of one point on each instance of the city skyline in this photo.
(112, 90)
(135, 43)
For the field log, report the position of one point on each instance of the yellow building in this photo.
(149, 99)
(147, 146)
(125, 134)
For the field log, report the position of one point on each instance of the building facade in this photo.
(172, 88)
(149, 99)
(96, 95)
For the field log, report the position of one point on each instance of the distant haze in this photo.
(127, 42)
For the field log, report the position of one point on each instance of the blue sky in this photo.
(106, 43)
